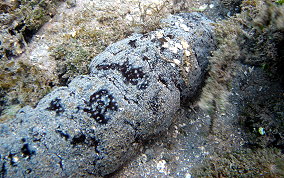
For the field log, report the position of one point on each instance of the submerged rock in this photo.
(93, 126)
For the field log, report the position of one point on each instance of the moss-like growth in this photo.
(72, 60)
(253, 37)
(264, 49)
(222, 66)
(20, 21)
(245, 163)
(265, 44)
(151, 15)
(20, 83)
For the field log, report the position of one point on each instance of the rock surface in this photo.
(95, 124)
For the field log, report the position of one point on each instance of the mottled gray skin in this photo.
(95, 124)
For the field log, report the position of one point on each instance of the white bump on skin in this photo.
(176, 24)
(173, 49)
(167, 38)
(166, 45)
(176, 61)
(178, 45)
(184, 27)
(187, 53)
(160, 34)
(184, 44)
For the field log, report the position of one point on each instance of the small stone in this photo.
(261, 131)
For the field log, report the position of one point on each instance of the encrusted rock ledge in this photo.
(95, 124)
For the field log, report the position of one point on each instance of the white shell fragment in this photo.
(184, 27)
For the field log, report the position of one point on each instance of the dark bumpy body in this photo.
(94, 125)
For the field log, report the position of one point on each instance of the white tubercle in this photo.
(184, 27)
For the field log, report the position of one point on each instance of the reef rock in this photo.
(95, 125)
